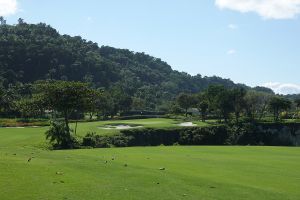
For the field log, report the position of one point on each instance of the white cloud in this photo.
(268, 9)
(283, 88)
(231, 52)
(8, 7)
(233, 26)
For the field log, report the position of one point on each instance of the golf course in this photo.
(149, 100)
(29, 170)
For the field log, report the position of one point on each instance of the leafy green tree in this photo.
(94, 104)
(186, 101)
(138, 104)
(30, 107)
(21, 21)
(2, 91)
(203, 105)
(251, 104)
(297, 104)
(106, 106)
(264, 90)
(212, 93)
(238, 102)
(64, 97)
(278, 104)
(125, 103)
(8, 98)
(59, 135)
(175, 109)
(221, 101)
(225, 103)
(2, 20)
(256, 104)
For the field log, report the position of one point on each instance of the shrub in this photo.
(265, 134)
(156, 137)
(96, 141)
(241, 134)
(103, 141)
(60, 137)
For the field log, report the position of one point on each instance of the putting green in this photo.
(83, 128)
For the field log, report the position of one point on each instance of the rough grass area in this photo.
(23, 122)
(29, 171)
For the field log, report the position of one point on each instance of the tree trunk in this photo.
(276, 115)
(262, 112)
(67, 122)
(203, 117)
(226, 117)
(237, 116)
(75, 128)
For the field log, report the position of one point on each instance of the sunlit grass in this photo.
(134, 173)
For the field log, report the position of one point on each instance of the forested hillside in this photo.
(37, 52)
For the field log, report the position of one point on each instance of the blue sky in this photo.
(255, 42)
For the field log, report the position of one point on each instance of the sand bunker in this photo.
(14, 127)
(120, 127)
(187, 124)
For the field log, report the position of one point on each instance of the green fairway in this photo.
(134, 173)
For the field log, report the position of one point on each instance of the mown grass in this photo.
(97, 127)
(133, 173)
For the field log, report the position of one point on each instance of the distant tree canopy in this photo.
(278, 104)
(31, 52)
(186, 101)
(226, 104)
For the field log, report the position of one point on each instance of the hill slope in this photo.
(33, 52)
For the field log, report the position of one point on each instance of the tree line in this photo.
(73, 100)
(44, 74)
(217, 101)
(221, 103)
(32, 52)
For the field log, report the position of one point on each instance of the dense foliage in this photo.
(37, 52)
(44, 74)
(60, 137)
(243, 134)
(215, 135)
(227, 104)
